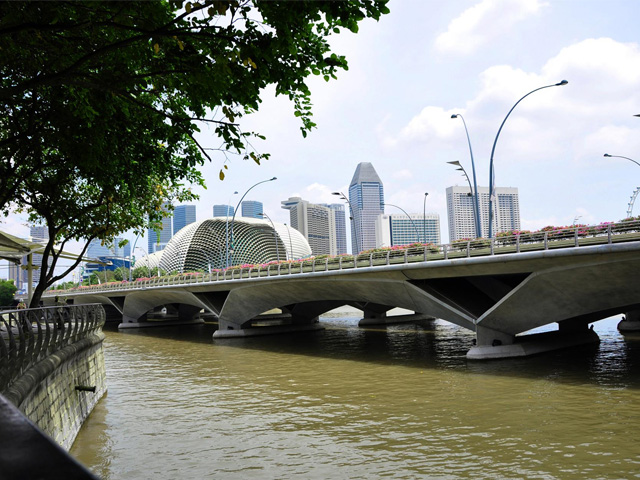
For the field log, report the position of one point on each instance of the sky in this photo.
(426, 60)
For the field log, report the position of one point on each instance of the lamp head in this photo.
(455, 162)
(336, 193)
(426, 194)
(607, 155)
(274, 178)
(563, 82)
(638, 115)
(455, 115)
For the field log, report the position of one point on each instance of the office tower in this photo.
(223, 211)
(183, 215)
(366, 197)
(252, 209)
(18, 275)
(40, 234)
(158, 240)
(316, 222)
(341, 227)
(398, 229)
(461, 216)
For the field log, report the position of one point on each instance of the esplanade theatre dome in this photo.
(203, 245)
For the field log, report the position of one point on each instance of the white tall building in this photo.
(316, 222)
(366, 199)
(461, 216)
(398, 229)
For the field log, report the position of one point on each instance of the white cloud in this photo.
(484, 22)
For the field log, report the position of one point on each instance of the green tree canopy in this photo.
(101, 102)
(7, 291)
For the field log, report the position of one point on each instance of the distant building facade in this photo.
(398, 229)
(461, 217)
(223, 211)
(366, 197)
(158, 240)
(340, 226)
(317, 223)
(183, 215)
(252, 209)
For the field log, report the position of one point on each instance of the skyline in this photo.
(425, 61)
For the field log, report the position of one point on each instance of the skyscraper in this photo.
(316, 222)
(223, 211)
(461, 217)
(252, 209)
(341, 227)
(158, 240)
(183, 215)
(398, 229)
(366, 196)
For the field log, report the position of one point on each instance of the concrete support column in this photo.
(630, 322)
(492, 338)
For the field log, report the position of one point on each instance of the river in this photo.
(400, 402)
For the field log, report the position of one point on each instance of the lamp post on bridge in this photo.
(226, 229)
(351, 217)
(408, 216)
(424, 218)
(474, 192)
(230, 250)
(275, 234)
(620, 156)
(493, 149)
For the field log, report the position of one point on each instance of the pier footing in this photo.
(533, 344)
(266, 330)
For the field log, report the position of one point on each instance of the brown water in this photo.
(347, 403)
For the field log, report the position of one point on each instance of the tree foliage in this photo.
(101, 102)
(7, 291)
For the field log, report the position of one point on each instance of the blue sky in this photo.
(428, 59)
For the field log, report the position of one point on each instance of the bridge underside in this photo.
(499, 298)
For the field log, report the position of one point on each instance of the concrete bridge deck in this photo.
(497, 288)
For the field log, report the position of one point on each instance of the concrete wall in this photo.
(47, 395)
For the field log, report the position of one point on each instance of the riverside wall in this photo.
(58, 390)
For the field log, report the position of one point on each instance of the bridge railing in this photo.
(28, 336)
(512, 242)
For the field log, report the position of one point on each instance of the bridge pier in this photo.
(266, 326)
(186, 315)
(630, 322)
(491, 344)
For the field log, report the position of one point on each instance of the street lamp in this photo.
(619, 156)
(275, 235)
(493, 149)
(408, 216)
(351, 216)
(226, 228)
(236, 211)
(290, 242)
(424, 218)
(476, 199)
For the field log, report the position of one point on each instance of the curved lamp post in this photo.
(351, 216)
(290, 242)
(619, 156)
(275, 235)
(408, 216)
(476, 199)
(424, 218)
(493, 149)
(230, 250)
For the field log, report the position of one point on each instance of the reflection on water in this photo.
(399, 402)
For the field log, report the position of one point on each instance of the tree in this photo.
(7, 291)
(100, 102)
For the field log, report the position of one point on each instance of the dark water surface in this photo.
(399, 402)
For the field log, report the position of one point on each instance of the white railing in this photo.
(570, 237)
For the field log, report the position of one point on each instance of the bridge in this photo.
(499, 288)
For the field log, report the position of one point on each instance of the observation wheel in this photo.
(632, 200)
